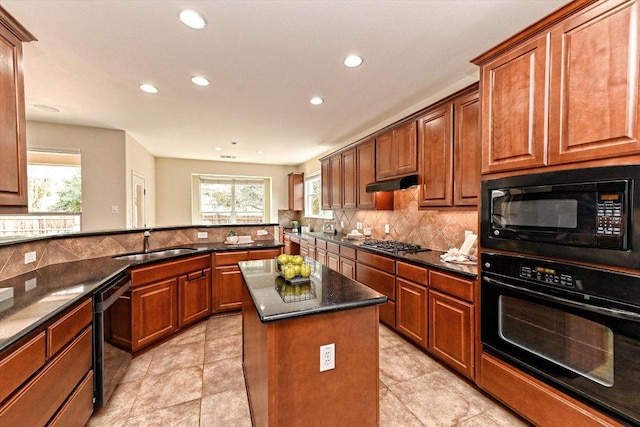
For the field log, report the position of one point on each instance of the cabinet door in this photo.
(436, 150)
(333, 261)
(296, 191)
(366, 165)
(593, 110)
(450, 332)
(321, 256)
(406, 148)
(514, 108)
(155, 312)
(349, 179)
(385, 156)
(335, 167)
(325, 179)
(194, 294)
(348, 267)
(411, 311)
(466, 151)
(227, 288)
(13, 148)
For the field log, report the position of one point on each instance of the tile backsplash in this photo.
(74, 248)
(439, 229)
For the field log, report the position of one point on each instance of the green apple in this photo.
(305, 270)
(289, 271)
(297, 259)
(283, 258)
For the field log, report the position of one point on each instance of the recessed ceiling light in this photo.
(218, 148)
(200, 81)
(316, 100)
(193, 19)
(259, 152)
(353, 61)
(148, 88)
(45, 108)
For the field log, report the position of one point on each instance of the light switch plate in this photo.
(262, 232)
(202, 234)
(30, 257)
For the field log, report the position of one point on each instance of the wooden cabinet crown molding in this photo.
(15, 27)
(533, 30)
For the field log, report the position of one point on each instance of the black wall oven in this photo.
(574, 327)
(590, 215)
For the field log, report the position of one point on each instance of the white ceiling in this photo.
(265, 60)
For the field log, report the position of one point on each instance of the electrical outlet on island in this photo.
(327, 357)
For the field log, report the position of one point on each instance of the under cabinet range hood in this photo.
(393, 184)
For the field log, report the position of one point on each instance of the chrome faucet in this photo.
(147, 234)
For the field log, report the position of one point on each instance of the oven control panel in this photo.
(546, 275)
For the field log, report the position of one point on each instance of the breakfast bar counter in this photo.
(284, 328)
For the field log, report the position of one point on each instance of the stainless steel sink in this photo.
(142, 256)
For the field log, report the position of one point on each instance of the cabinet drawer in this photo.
(161, 271)
(311, 241)
(452, 285)
(304, 243)
(264, 253)
(21, 364)
(412, 272)
(347, 252)
(78, 409)
(334, 248)
(377, 280)
(230, 258)
(378, 261)
(295, 239)
(322, 244)
(41, 397)
(61, 332)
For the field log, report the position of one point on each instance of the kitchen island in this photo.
(284, 327)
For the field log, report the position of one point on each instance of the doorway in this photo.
(138, 193)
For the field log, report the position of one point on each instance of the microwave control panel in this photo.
(546, 275)
(610, 215)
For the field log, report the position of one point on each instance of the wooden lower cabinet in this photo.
(534, 400)
(227, 278)
(381, 281)
(194, 295)
(411, 311)
(155, 312)
(58, 389)
(227, 294)
(451, 337)
(348, 267)
(333, 261)
(321, 256)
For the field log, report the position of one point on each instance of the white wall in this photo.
(103, 168)
(173, 186)
(143, 163)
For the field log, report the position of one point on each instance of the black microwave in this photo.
(585, 215)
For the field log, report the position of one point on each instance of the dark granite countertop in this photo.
(326, 291)
(42, 294)
(427, 259)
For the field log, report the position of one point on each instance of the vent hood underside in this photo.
(393, 184)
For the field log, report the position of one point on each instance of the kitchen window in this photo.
(229, 200)
(55, 197)
(313, 198)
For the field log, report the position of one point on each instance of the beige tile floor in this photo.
(195, 379)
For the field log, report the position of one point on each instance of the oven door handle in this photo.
(620, 314)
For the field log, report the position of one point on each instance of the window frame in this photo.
(309, 179)
(233, 180)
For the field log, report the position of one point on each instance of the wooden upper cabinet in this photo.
(296, 191)
(13, 147)
(335, 171)
(466, 150)
(325, 180)
(513, 92)
(349, 179)
(568, 94)
(593, 109)
(435, 134)
(366, 161)
(397, 152)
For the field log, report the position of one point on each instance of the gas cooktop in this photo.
(393, 246)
